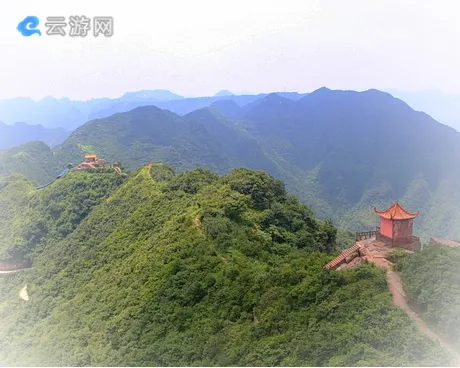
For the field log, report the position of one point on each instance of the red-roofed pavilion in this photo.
(396, 225)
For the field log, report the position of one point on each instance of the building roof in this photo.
(340, 259)
(92, 155)
(396, 212)
(448, 242)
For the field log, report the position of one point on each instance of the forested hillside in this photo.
(432, 283)
(357, 150)
(189, 269)
(204, 138)
(34, 160)
(29, 218)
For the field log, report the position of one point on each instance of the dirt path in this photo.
(8, 272)
(399, 297)
(23, 294)
(149, 167)
(197, 222)
(11, 272)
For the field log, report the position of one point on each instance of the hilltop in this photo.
(34, 160)
(163, 269)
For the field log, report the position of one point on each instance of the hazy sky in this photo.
(199, 47)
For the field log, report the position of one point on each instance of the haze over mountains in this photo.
(20, 133)
(168, 205)
(163, 266)
(52, 112)
(342, 152)
(443, 107)
(69, 114)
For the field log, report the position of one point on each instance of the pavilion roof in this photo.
(396, 212)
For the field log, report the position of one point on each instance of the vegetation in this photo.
(340, 152)
(204, 138)
(432, 284)
(35, 160)
(21, 133)
(167, 269)
(29, 218)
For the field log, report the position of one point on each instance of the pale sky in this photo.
(198, 47)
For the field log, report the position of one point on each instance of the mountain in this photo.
(34, 160)
(155, 95)
(357, 150)
(51, 112)
(204, 138)
(69, 114)
(160, 269)
(341, 152)
(442, 106)
(179, 107)
(20, 133)
(229, 108)
(48, 112)
(190, 104)
(345, 152)
(223, 93)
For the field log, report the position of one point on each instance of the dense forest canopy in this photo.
(160, 268)
(432, 283)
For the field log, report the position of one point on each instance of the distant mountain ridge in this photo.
(204, 137)
(154, 95)
(223, 92)
(20, 133)
(342, 152)
(69, 114)
(443, 107)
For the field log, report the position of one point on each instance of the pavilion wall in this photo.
(402, 231)
(386, 228)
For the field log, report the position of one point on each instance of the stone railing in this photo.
(365, 235)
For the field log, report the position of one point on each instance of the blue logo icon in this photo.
(28, 26)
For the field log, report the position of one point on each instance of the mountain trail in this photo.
(149, 166)
(399, 298)
(12, 271)
(8, 272)
(197, 222)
